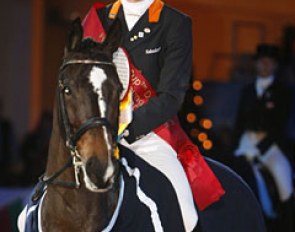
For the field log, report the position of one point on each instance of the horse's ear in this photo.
(113, 39)
(75, 35)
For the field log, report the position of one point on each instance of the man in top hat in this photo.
(261, 122)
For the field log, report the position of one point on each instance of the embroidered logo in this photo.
(153, 50)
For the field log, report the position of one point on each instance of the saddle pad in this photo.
(150, 201)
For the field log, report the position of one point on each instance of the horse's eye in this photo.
(67, 90)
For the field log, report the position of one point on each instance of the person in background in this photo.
(261, 133)
(8, 152)
(34, 150)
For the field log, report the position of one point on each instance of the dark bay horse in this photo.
(83, 136)
(84, 183)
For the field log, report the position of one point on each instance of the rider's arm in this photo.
(280, 114)
(174, 80)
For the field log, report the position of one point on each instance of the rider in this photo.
(158, 40)
(261, 122)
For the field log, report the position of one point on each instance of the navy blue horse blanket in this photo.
(147, 201)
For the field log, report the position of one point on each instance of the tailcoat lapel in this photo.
(143, 30)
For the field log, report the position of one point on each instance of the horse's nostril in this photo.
(95, 171)
(93, 165)
(100, 175)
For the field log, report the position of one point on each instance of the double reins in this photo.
(73, 137)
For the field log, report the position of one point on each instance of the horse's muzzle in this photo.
(99, 176)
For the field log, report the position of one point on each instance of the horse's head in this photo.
(88, 99)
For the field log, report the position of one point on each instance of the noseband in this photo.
(72, 138)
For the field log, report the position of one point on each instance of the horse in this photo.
(112, 195)
(278, 215)
(83, 138)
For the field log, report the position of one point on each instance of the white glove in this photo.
(249, 153)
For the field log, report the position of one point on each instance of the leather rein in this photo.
(72, 138)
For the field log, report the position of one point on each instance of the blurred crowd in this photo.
(22, 163)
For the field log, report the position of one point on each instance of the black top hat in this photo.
(267, 50)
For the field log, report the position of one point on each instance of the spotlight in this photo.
(206, 123)
(191, 117)
(202, 137)
(198, 100)
(207, 144)
(197, 85)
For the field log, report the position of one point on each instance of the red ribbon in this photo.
(205, 186)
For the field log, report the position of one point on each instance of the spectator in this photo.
(34, 150)
(7, 150)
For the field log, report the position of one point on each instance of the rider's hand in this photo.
(252, 153)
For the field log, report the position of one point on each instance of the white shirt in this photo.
(134, 10)
(262, 83)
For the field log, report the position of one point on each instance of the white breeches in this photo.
(273, 159)
(279, 167)
(161, 155)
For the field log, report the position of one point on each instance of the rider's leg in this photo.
(279, 167)
(160, 155)
(286, 217)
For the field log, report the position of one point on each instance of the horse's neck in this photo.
(66, 209)
(77, 209)
(57, 153)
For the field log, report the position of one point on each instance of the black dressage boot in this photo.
(198, 228)
(286, 215)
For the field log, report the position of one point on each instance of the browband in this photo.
(84, 62)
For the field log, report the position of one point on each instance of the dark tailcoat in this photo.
(162, 51)
(268, 113)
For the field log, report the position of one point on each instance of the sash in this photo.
(205, 186)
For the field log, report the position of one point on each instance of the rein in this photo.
(72, 138)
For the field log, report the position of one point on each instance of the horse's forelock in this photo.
(90, 48)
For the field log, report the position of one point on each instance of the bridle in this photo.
(73, 137)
